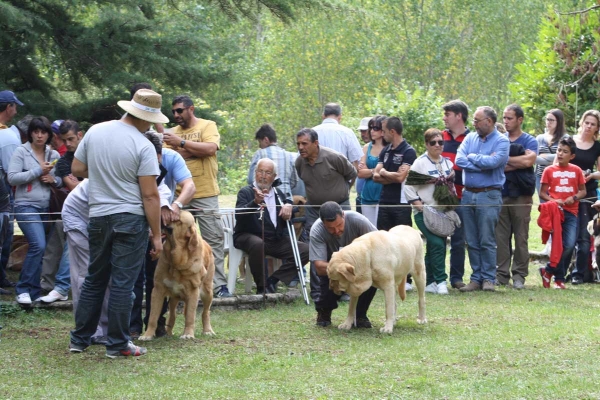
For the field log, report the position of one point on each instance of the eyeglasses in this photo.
(550, 120)
(179, 110)
(476, 121)
(438, 142)
(375, 128)
(263, 172)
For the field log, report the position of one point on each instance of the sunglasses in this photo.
(376, 128)
(178, 110)
(438, 142)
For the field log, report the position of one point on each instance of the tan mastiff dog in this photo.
(185, 272)
(381, 259)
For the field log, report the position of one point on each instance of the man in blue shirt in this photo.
(517, 198)
(482, 156)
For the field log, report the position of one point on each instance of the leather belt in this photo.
(483, 189)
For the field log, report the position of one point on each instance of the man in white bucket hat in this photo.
(122, 168)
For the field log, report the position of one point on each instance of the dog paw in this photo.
(146, 338)
(421, 321)
(209, 333)
(186, 337)
(345, 326)
(386, 329)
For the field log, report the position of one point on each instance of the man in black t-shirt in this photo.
(394, 162)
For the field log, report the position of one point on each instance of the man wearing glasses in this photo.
(197, 141)
(482, 156)
(265, 234)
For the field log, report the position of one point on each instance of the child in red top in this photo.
(563, 184)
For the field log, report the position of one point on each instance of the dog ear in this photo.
(192, 236)
(347, 272)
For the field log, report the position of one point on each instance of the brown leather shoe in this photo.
(458, 284)
(471, 287)
(489, 286)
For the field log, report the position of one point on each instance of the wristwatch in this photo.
(182, 144)
(575, 197)
(178, 204)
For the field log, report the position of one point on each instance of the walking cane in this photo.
(296, 251)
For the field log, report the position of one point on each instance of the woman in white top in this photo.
(433, 164)
(548, 142)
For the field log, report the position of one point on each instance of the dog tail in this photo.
(402, 289)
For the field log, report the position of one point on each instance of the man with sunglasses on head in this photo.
(482, 156)
(197, 140)
(455, 117)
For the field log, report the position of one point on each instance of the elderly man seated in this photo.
(248, 235)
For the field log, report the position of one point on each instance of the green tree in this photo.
(562, 69)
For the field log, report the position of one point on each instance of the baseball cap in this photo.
(364, 124)
(6, 96)
(56, 125)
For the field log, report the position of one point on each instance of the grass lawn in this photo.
(531, 344)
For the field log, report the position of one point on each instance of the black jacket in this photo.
(520, 182)
(246, 221)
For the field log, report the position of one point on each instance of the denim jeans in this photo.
(569, 236)
(62, 280)
(145, 279)
(8, 238)
(481, 214)
(4, 222)
(457, 250)
(117, 246)
(582, 258)
(31, 221)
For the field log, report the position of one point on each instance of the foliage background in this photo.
(248, 62)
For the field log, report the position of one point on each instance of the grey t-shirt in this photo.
(76, 210)
(116, 154)
(323, 244)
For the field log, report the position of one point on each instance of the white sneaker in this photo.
(53, 296)
(408, 287)
(442, 288)
(24, 299)
(432, 288)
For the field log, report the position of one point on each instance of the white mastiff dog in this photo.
(381, 259)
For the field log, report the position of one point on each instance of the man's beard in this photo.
(262, 186)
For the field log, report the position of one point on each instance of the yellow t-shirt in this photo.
(204, 169)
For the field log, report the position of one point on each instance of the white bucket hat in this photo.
(145, 105)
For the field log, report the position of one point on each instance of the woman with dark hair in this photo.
(366, 169)
(548, 142)
(31, 172)
(439, 168)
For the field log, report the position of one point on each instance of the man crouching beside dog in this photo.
(335, 229)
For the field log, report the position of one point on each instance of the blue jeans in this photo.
(480, 218)
(62, 280)
(457, 250)
(117, 246)
(569, 236)
(31, 221)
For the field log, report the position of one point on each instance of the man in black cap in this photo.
(9, 140)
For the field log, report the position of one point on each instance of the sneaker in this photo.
(130, 351)
(134, 335)
(498, 283)
(7, 284)
(294, 283)
(408, 287)
(223, 292)
(161, 330)
(345, 298)
(24, 299)
(471, 287)
(576, 281)
(559, 285)
(488, 286)
(323, 317)
(99, 340)
(76, 348)
(431, 288)
(546, 277)
(518, 285)
(458, 284)
(53, 296)
(442, 288)
(362, 322)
